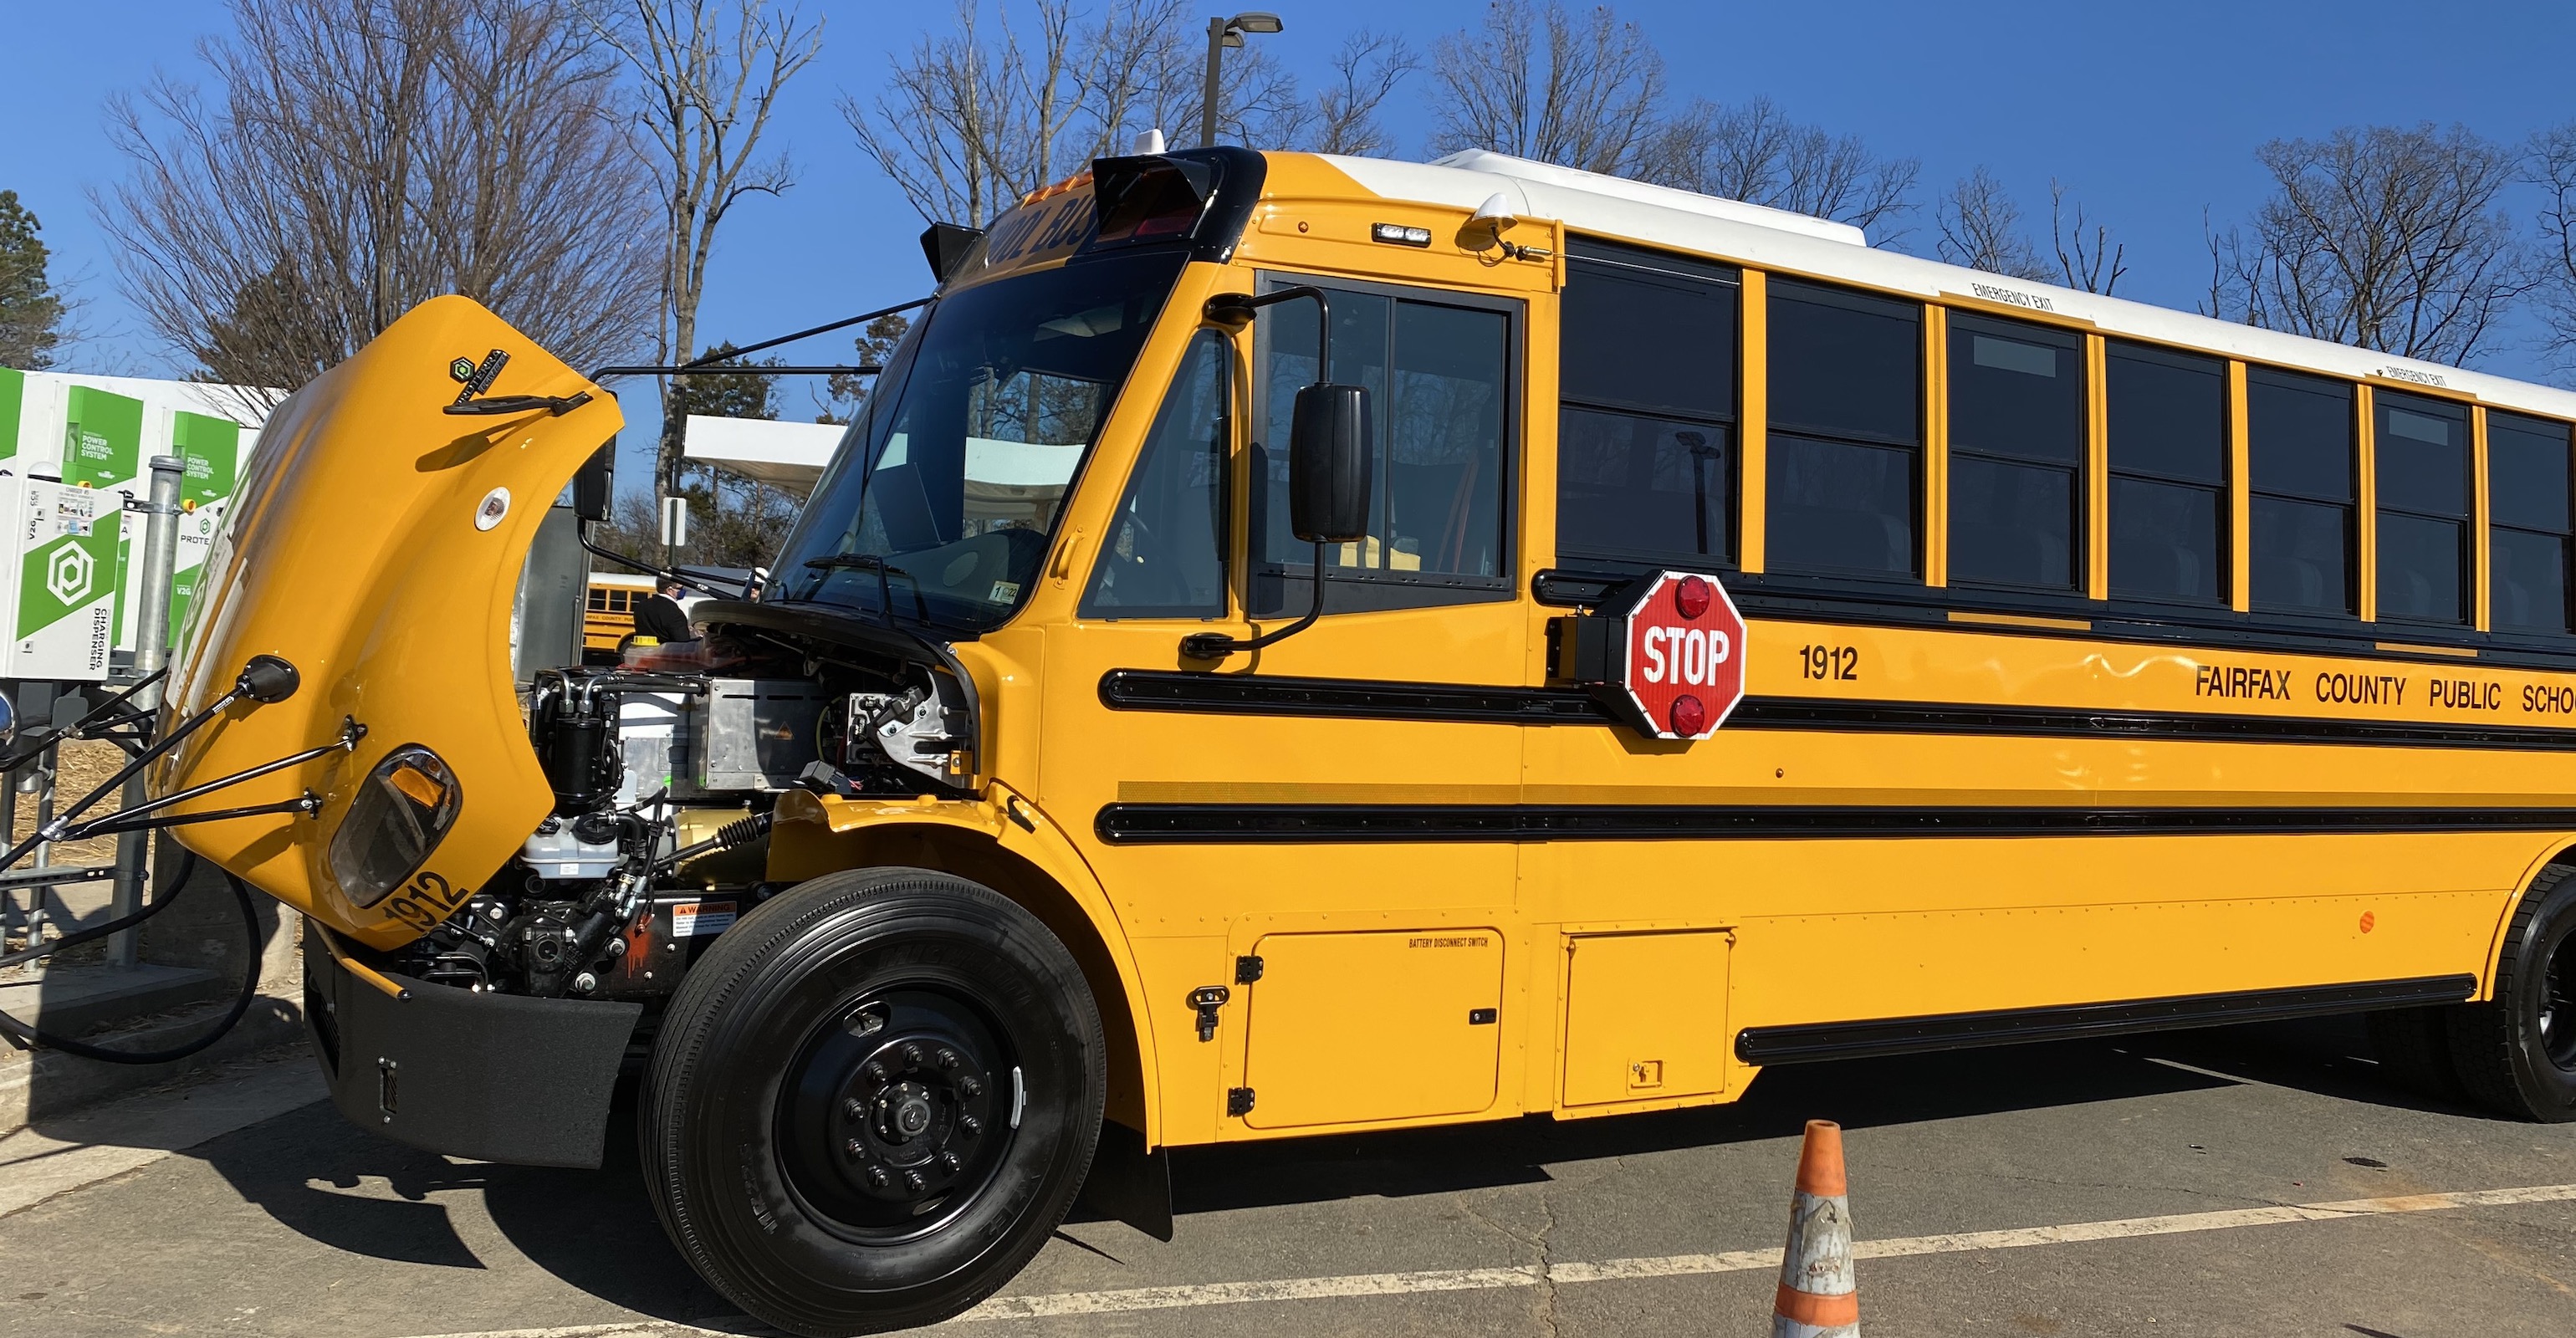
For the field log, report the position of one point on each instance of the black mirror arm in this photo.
(1234, 311)
(1217, 645)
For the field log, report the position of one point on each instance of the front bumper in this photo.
(494, 1077)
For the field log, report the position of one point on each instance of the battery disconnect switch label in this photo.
(692, 919)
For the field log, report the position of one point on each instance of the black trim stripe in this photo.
(1295, 824)
(1812, 1041)
(1455, 703)
(1345, 698)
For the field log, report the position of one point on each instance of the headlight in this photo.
(404, 806)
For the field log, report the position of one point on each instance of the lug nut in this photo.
(912, 1181)
(877, 1177)
(912, 1056)
(876, 1072)
(853, 1108)
(970, 1088)
(947, 1059)
(855, 1148)
(969, 1125)
(948, 1161)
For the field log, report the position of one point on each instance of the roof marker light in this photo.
(1399, 234)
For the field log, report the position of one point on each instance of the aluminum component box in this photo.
(755, 734)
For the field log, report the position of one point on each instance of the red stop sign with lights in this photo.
(1685, 670)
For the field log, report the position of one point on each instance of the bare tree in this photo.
(971, 120)
(1342, 117)
(2093, 263)
(2553, 169)
(2384, 237)
(1546, 85)
(1755, 153)
(712, 72)
(1981, 229)
(360, 156)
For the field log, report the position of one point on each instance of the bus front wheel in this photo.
(872, 1100)
(2517, 1053)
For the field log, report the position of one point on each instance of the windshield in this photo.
(940, 505)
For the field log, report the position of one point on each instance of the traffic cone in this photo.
(1817, 1297)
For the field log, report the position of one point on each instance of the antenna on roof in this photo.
(1151, 142)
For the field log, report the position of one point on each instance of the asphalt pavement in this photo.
(2254, 1180)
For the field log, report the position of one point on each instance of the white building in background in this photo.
(782, 455)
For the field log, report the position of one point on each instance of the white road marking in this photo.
(1133, 1299)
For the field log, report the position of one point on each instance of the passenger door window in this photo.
(1439, 382)
(1164, 553)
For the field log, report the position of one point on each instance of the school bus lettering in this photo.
(2549, 699)
(1840, 663)
(2362, 689)
(2463, 694)
(2241, 682)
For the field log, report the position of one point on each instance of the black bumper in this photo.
(494, 1077)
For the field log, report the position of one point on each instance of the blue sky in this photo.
(2149, 112)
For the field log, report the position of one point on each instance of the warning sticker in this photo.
(692, 919)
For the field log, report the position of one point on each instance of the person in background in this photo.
(661, 617)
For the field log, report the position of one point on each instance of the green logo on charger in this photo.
(62, 577)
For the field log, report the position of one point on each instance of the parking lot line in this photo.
(1659, 1266)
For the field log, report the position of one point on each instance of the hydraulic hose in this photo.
(27, 1035)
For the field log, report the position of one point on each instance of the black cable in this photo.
(27, 1035)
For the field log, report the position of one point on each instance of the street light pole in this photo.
(1223, 33)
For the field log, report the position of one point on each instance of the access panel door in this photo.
(1645, 1016)
(1349, 1028)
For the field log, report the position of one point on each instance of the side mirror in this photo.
(594, 482)
(1328, 464)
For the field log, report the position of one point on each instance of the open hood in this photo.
(376, 545)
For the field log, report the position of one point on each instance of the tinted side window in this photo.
(2420, 452)
(2300, 431)
(1845, 364)
(1164, 557)
(1439, 387)
(2016, 399)
(1845, 459)
(1646, 467)
(2528, 515)
(1644, 330)
(2168, 448)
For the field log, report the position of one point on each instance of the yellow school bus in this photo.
(1191, 709)
(608, 612)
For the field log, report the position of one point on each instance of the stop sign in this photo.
(1685, 669)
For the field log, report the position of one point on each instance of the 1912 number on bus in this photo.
(1835, 662)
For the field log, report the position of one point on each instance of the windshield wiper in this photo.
(885, 595)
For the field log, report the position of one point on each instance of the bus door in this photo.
(1320, 947)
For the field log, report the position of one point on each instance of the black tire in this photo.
(2516, 1055)
(868, 1022)
(2414, 1048)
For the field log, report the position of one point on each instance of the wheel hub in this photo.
(890, 1119)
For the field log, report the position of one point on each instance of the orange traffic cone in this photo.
(1817, 1297)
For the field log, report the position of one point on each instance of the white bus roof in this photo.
(1773, 239)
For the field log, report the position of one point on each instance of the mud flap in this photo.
(1128, 1183)
(494, 1077)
